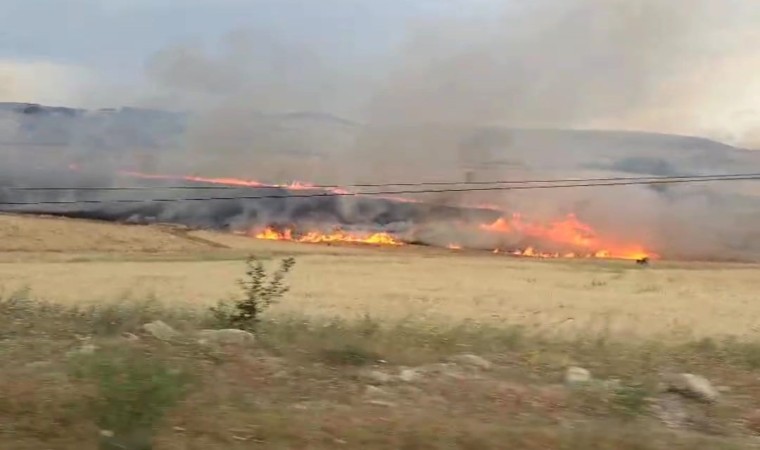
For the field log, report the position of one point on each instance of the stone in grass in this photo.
(379, 397)
(409, 375)
(226, 337)
(160, 330)
(471, 360)
(577, 376)
(130, 337)
(692, 386)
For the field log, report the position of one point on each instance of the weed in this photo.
(134, 390)
(630, 400)
(260, 291)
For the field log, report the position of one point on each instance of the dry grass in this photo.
(667, 298)
(304, 383)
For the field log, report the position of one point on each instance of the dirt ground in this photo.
(80, 261)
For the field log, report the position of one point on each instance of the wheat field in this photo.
(78, 261)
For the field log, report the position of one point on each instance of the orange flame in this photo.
(570, 233)
(316, 237)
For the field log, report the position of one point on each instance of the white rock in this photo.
(160, 330)
(374, 391)
(130, 337)
(577, 375)
(409, 375)
(468, 359)
(226, 337)
(692, 386)
(383, 403)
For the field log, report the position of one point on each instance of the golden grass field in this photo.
(444, 360)
(80, 261)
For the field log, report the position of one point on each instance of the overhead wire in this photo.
(251, 185)
(526, 186)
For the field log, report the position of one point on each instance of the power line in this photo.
(369, 185)
(386, 193)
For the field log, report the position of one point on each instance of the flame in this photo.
(317, 237)
(578, 239)
(570, 233)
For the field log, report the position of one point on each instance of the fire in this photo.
(294, 186)
(338, 236)
(576, 238)
(568, 233)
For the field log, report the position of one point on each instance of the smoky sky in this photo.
(634, 64)
(467, 98)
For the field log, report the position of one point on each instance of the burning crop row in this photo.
(317, 237)
(326, 221)
(576, 238)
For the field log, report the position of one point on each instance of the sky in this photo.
(632, 64)
(76, 41)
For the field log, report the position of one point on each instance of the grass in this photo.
(494, 289)
(302, 385)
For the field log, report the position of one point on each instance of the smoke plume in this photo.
(546, 89)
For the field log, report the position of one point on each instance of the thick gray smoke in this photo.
(486, 100)
(506, 98)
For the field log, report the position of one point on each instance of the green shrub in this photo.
(260, 291)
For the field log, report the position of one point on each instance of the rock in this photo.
(376, 377)
(575, 376)
(384, 403)
(471, 360)
(692, 386)
(226, 337)
(130, 337)
(374, 391)
(409, 375)
(378, 396)
(160, 330)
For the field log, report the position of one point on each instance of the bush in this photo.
(260, 291)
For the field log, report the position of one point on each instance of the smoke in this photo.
(624, 64)
(470, 99)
